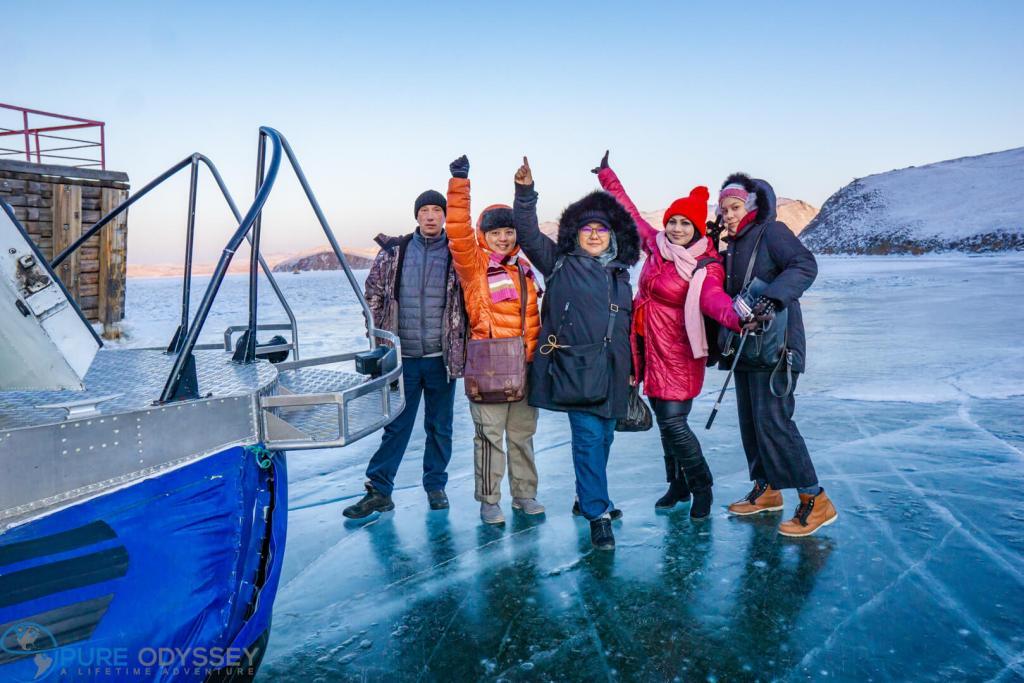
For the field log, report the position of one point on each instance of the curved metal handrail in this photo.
(297, 168)
(190, 161)
(172, 388)
(181, 382)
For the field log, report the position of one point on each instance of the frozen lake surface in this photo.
(912, 408)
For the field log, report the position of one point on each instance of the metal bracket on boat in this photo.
(263, 350)
(317, 407)
(76, 410)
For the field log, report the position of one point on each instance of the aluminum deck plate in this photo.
(133, 379)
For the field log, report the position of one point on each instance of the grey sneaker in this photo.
(528, 505)
(491, 513)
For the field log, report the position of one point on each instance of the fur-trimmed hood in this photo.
(622, 226)
(766, 203)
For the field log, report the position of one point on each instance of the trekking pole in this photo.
(728, 378)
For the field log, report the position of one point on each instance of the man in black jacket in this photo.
(776, 453)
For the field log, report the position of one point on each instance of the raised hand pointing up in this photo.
(602, 165)
(524, 176)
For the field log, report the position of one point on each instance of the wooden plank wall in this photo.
(55, 209)
(113, 253)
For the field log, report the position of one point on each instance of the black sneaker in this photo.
(373, 501)
(437, 499)
(601, 534)
(615, 514)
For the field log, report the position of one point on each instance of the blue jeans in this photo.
(592, 438)
(422, 376)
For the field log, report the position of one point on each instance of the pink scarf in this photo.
(499, 282)
(685, 260)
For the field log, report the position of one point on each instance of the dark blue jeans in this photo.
(422, 376)
(592, 438)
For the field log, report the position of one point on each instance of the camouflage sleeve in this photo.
(376, 283)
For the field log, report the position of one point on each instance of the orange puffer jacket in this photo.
(470, 254)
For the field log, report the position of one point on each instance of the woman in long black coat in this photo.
(776, 453)
(585, 363)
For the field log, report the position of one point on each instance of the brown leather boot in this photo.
(762, 498)
(813, 513)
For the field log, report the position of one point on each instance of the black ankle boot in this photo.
(373, 501)
(701, 506)
(601, 535)
(678, 492)
(700, 481)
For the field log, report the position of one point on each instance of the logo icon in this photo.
(31, 643)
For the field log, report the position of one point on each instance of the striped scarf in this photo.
(499, 282)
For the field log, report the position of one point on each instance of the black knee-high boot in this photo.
(678, 491)
(700, 482)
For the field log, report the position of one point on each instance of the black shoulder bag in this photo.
(765, 349)
(581, 374)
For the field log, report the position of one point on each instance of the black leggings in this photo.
(683, 454)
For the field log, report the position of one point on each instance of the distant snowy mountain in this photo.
(970, 204)
(324, 259)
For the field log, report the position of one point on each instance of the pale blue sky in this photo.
(377, 98)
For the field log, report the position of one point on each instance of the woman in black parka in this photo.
(585, 361)
(776, 453)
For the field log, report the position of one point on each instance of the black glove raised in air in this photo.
(460, 167)
(602, 165)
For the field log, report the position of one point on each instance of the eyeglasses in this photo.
(599, 230)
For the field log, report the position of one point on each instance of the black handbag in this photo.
(581, 374)
(638, 416)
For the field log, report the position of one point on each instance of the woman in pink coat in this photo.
(681, 282)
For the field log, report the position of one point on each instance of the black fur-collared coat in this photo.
(578, 297)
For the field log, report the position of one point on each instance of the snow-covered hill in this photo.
(324, 259)
(969, 204)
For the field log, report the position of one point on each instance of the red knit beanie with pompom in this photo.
(694, 208)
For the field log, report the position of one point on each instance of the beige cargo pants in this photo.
(495, 421)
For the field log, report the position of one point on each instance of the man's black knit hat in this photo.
(430, 198)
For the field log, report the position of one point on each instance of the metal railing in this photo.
(192, 162)
(36, 138)
(180, 383)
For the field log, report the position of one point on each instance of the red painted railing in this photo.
(37, 138)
